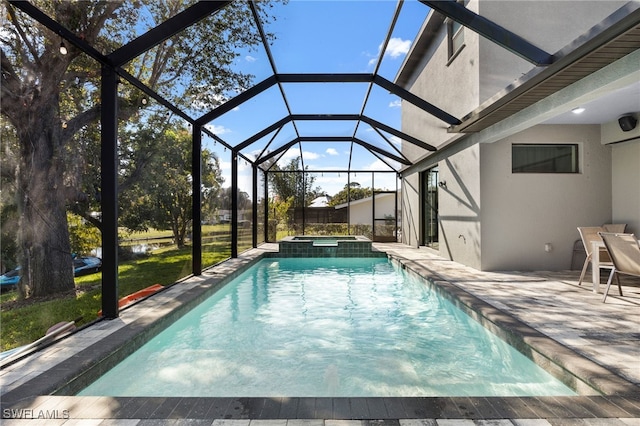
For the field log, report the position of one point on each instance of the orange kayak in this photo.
(127, 300)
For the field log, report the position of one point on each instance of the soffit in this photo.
(608, 46)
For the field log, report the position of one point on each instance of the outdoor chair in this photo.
(617, 228)
(579, 253)
(589, 234)
(624, 250)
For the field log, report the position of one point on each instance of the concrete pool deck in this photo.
(601, 342)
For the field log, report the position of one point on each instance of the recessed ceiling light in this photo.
(578, 110)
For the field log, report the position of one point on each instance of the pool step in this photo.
(325, 243)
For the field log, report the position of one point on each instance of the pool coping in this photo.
(621, 399)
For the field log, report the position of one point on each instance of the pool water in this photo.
(326, 327)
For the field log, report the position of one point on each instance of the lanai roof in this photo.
(347, 97)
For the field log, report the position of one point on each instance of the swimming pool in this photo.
(326, 327)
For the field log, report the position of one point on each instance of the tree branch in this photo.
(10, 85)
(23, 36)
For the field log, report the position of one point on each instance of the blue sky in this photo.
(325, 37)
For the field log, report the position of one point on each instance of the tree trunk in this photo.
(43, 237)
(178, 235)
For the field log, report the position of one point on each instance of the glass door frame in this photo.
(429, 207)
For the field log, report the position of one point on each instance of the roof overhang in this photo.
(614, 38)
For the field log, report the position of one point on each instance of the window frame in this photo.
(455, 37)
(557, 168)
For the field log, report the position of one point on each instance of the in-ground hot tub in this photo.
(327, 246)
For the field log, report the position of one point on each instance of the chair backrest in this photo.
(588, 234)
(624, 250)
(617, 228)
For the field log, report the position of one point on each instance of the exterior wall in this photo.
(460, 212)
(522, 212)
(625, 176)
(360, 211)
(499, 68)
(491, 219)
(451, 87)
(626, 184)
(411, 210)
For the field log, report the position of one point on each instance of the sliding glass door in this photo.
(429, 197)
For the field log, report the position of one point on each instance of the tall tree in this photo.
(224, 199)
(350, 192)
(291, 181)
(162, 198)
(49, 97)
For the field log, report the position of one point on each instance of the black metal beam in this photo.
(415, 100)
(254, 210)
(360, 142)
(491, 31)
(63, 32)
(330, 117)
(267, 49)
(381, 151)
(109, 166)
(328, 78)
(266, 147)
(395, 148)
(401, 135)
(366, 119)
(325, 138)
(153, 94)
(263, 133)
(85, 47)
(238, 100)
(337, 171)
(216, 138)
(272, 154)
(266, 204)
(165, 30)
(196, 191)
(234, 204)
(326, 117)
(382, 51)
(325, 78)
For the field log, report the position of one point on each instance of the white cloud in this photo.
(376, 166)
(397, 47)
(289, 155)
(396, 140)
(395, 104)
(331, 151)
(243, 165)
(295, 152)
(310, 155)
(250, 58)
(218, 130)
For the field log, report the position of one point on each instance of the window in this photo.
(430, 208)
(455, 36)
(544, 158)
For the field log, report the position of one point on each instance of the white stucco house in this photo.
(380, 209)
(511, 181)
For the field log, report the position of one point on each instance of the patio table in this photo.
(595, 264)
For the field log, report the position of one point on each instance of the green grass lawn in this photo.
(29, 321)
